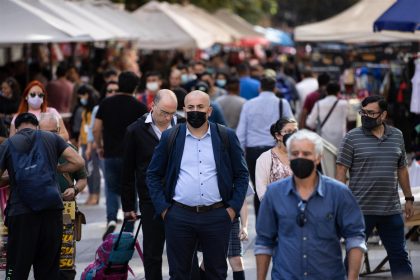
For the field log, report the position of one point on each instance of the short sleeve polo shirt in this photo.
(373, 165)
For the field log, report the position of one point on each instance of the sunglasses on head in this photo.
(301, 217)
(40, 95)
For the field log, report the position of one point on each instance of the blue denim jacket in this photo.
(312, 251)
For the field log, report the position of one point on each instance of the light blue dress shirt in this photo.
(257, 116)
(197, 181)
(312, 251)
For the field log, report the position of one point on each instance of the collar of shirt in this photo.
(387, 131)
(332, 97)
(319, 187)
(149, 118)
(267, 94)
(188, 132)
(157, 131)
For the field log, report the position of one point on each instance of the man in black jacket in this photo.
(140, 140)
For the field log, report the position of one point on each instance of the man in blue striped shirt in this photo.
(303, 217)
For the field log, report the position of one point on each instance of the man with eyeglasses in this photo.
(374, 154)
(140, 141)
(303, 217)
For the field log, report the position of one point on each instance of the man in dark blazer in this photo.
(140, 140)
(197, 185)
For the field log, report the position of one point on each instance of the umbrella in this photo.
(23, 23)
(403, 15)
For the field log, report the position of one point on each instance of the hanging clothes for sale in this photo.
(415, 96)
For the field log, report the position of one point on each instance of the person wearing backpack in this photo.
(198, 186)
(71, 184)
(34, 209)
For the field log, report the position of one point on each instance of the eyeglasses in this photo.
(370, 114)
(301, 217)
(40, 95)
(164, 113)
(284, 132)
(111, 90)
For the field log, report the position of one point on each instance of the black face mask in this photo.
(370, 123)
(196, 119)
(287, 136)
(302, 167)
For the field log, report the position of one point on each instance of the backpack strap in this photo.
(329, 113)
(223, 134)
(281, 108)
(221, 130)
(171, 139)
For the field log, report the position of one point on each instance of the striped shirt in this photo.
(373, 165)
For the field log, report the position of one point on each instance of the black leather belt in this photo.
(200, 208)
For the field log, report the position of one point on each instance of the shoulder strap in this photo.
(329, 113)
(171, 139)
(281, 108)
(223, 133)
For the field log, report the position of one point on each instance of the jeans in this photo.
(94, 178)
(391, 231)
(113, 170)
(113, 173)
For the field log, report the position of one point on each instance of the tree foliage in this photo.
(289, 12)
(251, 10)
(297, 12)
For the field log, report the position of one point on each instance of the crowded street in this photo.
(209, 140)
(96, 224)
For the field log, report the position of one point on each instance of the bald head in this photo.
(167, 95)
(197, 95)
(164, 107)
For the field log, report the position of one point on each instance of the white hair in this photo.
(49, 118)
(305, 134)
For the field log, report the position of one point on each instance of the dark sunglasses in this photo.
(111, 90)
(301, 217)
(40, 95)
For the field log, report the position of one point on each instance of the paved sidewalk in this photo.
(96, 222)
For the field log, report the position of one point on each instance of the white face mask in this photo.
(152, 86)
(35, 102)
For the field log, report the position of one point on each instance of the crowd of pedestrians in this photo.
(186, 152)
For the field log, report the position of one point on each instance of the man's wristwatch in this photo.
(409, 198)
(76, 190)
